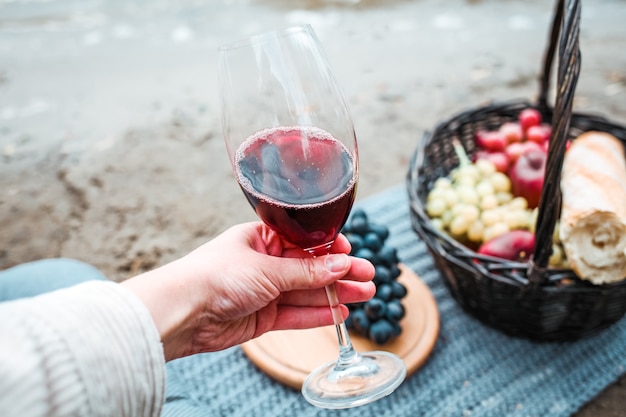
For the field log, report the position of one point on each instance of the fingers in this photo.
(289, 317)
(348, 292)
(360, 270)
(290, 274)
(340, 245)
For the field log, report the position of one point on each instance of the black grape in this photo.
(379, 318)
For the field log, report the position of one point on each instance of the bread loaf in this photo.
(593, 214)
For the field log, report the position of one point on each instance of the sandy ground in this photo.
(110, 139)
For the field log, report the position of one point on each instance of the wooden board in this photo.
(288, 356)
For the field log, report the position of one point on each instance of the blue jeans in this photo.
(38, 277)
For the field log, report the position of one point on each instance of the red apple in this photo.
(527, 175)
(516, 245)
(539, 133)
(499, 159)
(517, 149)
(528, 118)
(491, 141)
(512, 132)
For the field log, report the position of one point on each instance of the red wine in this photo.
(300, 181)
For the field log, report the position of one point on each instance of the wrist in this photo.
(171, 303)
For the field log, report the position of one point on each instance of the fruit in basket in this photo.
(379, 318)
(539, 134)
(512, 138)
(490, 141)
(499, 159)
(527, 176)
(528, 118)
(512, 132)
(516, 245)
(475, 203)
(515, 150)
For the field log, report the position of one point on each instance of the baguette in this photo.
(593, 213)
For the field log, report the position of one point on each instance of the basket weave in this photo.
(525, 299)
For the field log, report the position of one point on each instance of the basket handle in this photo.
(546, 73)
(565, 28)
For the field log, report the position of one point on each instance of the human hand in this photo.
(243, 283)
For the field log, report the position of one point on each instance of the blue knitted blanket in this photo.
(473, 371)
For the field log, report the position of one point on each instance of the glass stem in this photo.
(347, 354)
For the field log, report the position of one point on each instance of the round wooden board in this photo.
(288, 356)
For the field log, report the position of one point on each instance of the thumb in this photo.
(308, 273)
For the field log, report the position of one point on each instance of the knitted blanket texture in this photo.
(473, 371)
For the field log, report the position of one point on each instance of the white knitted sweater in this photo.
(90, 350)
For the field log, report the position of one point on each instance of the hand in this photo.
(243, 283)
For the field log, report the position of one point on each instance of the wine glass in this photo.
(292, 146)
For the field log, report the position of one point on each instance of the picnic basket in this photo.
(526, 299)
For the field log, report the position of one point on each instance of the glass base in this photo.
(371, 376)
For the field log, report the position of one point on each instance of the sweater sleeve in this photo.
(88, 350)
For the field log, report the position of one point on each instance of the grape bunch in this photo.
(379, 318)
(475, 204)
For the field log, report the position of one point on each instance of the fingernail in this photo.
(336, 263)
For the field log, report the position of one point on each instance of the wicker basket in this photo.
(525, 299)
